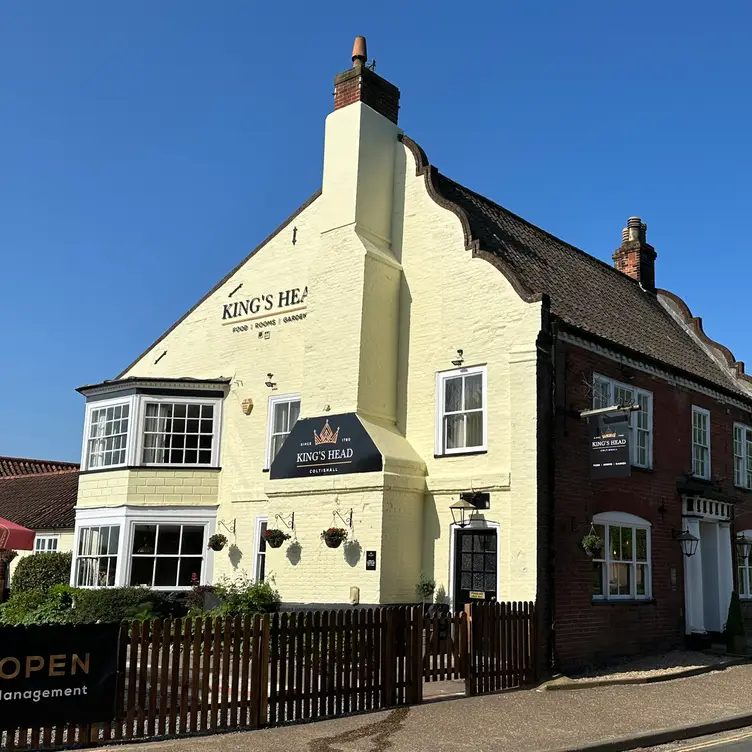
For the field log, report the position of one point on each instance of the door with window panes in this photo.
(475, 570)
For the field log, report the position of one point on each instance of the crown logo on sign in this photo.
(327, 436)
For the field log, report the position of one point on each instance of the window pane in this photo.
(597, 578)
(193, 539)
(641, 579)
(642, 544)
(142, 570)
(453, 394)
(294, 413)
(166, 574)
(277, 441)
(615, 542)
(619, 579)
(281, 411)
(262, 540)
(474, 392)
(168, 541)
(474, 428)
(189, 567)
(626, 543)
(112, 549)
(144, 538)
(111, 571)
(454, 431)
(601, 394)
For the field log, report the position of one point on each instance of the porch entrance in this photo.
(475, 567)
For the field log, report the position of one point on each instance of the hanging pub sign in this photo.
(335, 445)
(58, 674)
(609, 446)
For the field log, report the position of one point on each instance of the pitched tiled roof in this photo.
(585, 293)
(11, 466)
(43, 501)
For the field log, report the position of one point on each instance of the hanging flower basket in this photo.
(592, 544)
(217, 542)
(334, 536)
(275, 538)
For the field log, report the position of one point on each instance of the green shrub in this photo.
(125, 603)
(20, 605)
(41, 571)
(243, 596)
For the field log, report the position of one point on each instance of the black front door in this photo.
(475, 575)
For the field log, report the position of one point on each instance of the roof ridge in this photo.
(33, 459)
(527, 222)
(65, 471)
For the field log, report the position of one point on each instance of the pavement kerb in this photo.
(565, 683)
(664, 736)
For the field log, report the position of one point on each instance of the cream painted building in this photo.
(368, 310)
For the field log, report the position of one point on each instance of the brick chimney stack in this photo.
(361, 84)
(635, 257)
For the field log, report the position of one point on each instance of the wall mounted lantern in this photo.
(687, 541)
(271, 384)
(459, 360)
(743, 547)
(461, 511)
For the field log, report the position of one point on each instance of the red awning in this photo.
(15, 537)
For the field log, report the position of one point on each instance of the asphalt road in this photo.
(733, 741)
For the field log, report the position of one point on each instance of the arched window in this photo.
(745, 569)
(622, 570)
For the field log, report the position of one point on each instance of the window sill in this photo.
(171, 468)
(743, 489)
(469, 453)
(623, 601)
(640, 469)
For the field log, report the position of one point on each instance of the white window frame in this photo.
(441, 378)
(271, 407)
(257, 540)
(743, 474)
(134, 449)
(633, 416)
(77, 556)
(103, 404)
(623, 519)
(127, 517)
(153, 557)
(46, 539)
(706, 415)
(745, 569)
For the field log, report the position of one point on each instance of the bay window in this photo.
(622, 569)
(742, 456)
(607, 392)
(461, 411)
(701, 442)
(145, 430)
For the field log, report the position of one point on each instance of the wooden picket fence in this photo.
(198, 676)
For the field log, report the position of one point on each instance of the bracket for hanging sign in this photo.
(288, 523)
(609, 410)
(348, 515)
(229, 526)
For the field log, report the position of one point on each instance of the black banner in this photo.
(58, 674)
(609, 446)
(334, 445)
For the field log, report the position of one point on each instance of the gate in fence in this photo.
(192, 676)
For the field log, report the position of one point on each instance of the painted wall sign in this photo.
(265, 311)
(331, 445)
(58, 674)
(371, 561)
(609, 446)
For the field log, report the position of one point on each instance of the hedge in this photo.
(41, 571)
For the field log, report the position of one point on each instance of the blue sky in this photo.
(146, 147)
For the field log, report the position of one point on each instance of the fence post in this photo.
(469, 655)
(416, 670)
(390, 661)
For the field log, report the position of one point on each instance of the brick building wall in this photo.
(592, 631)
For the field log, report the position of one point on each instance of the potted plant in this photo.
(592, 544)
(217, 542)
(425, 588)
(334, 536)
(275, 537)
(736, 639)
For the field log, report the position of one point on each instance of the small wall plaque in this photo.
(478, 595)
(370, 561)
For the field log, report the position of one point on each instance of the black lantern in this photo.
(687, 541)
(461, 511)
(743, 546)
